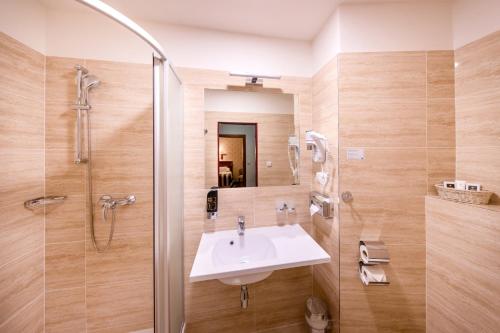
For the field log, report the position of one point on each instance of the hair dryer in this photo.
(318, 144)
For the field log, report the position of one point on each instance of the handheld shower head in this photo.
(88, 82)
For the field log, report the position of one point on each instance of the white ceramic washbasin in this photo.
(239, 260)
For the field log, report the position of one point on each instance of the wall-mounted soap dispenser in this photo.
(212, 201)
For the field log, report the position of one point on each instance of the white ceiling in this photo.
(293, 19)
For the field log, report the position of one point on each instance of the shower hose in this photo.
(106, 206)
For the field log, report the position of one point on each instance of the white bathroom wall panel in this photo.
(88, 35)
(473, 20)
(384, 27)
(326, 44)
(25, 21)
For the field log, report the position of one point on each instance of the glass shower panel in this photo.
(175, 231)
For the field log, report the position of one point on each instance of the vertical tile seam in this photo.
(85, 239)
(44, 185)
(426, 169)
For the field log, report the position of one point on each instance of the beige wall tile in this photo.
(64, 265)
(112, 171)
(122, 84)
(21, 232)
(477, 113)
(382, 99)
(15, 189)
(462, 247)
(117, 305)
(65, 311)
(62, 175)
(440, 167)
(440, 74)
(25, 67)
(60, 80)
(21, 178)
(66, 222)
(477, 76)
(392, 171)
(21, 119)
(441, 122)
(28, 319)
(482, 165)
(22, 282)
(440, 116)
(126, 260)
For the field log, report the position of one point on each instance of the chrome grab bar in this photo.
(43, 201)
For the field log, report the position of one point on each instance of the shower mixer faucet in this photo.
(107, 201)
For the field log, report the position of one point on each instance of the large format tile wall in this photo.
(478, 113)
(398, 108)
(276, 303)
(21, 178)
(326, 231)
(463, 294)
(462, 240)
(86, 290)
(272, 140)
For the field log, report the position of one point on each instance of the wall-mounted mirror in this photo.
(251, 138)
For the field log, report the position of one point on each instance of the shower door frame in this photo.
(161, 67)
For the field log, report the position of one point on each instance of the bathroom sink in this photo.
(240, 260)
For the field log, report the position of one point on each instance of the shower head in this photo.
(88, 82)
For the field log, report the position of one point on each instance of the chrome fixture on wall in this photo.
(84, 83)
(44, 201)
(109, 203)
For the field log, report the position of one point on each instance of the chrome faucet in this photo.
(241, 225)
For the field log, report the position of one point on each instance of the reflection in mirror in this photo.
(251, 138)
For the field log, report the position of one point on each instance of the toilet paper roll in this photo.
(372, 275)
(313, 209)
(372, 252)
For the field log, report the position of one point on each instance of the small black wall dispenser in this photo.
(212, 201)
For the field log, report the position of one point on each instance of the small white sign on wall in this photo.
(355, 154)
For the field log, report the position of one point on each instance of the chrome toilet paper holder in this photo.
(324, 203)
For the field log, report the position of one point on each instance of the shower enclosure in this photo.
(97, 245)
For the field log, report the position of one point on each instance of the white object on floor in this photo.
(239, 260)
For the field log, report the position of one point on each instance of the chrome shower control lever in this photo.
(107, 201)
